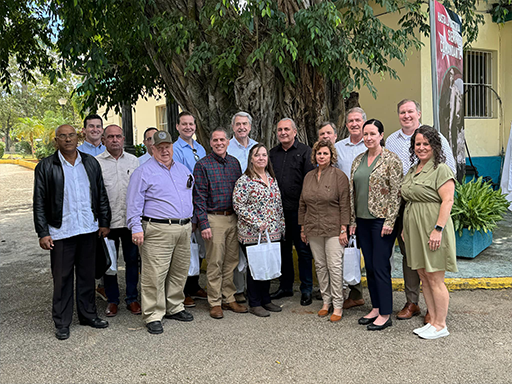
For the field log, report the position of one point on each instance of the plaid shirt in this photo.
(215, 179)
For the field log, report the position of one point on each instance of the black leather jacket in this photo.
(49, 193)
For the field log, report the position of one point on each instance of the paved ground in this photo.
(292, 346)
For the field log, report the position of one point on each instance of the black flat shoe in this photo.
(155, 327)
(306, 299)
(95, 323)
(62, 333)
(366, 320)
(181, 316)
(279, 294)
(373, 327)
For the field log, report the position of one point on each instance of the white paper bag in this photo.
(352, 262)
(264, 259)
(111, 246)
(195, 265)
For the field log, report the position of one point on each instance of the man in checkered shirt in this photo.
(409, 114)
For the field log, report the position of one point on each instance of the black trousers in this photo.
(377, 251)
(75, 255)
(258, 291)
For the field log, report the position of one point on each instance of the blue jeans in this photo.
(131, 260)
(376, 251)
(292, 237)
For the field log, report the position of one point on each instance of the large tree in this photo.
(273, 59)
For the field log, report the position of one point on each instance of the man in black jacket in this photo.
(71, 210)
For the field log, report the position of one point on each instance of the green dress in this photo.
(420, 217)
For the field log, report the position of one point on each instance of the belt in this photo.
(167, 221)
(223, 213)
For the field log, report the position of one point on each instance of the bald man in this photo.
(69, 228)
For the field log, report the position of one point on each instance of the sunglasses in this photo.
(196, 156)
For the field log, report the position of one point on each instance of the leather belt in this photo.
(222, 213)
(167, 221)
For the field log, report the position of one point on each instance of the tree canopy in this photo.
(273, 59)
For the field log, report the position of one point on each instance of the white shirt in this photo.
(145, 157)
(237, 150)
(116, 176)
(399, 143)
(347, 152)
(77, 215)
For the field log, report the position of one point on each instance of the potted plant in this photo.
(476, 210)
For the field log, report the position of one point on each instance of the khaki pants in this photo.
(328, 255)
(165, 256)
(222, 258)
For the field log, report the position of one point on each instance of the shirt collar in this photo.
(182, 143)
(237, 143)
(222, 160)
(294, 145)
(350, 144)
(427, 167)
(90, 145)
(64, 161)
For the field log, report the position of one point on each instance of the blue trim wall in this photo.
(486, 166)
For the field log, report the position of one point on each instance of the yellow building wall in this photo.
(145, 114)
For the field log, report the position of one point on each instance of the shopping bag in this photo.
(111, 246)
(194, 268)
(242, 261)
(264, 259)
(103, 259)
(352, 262)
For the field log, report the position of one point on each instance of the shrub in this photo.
(2, 149)
(23, 147)
(140, 149)
(45, 150)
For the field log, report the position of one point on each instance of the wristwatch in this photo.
(342, 232)
(438, 228)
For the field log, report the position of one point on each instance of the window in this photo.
(161, 118)
(478, 81)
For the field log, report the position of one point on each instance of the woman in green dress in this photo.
(429, 237)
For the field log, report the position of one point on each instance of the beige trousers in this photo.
(328, 255)
(222, 258)
(165, 257)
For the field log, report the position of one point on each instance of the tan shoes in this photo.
(235, 307)
(409, 310)
(216, 312)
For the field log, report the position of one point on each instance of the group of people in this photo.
(313, 199)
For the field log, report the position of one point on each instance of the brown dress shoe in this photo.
(335, 318)
(349, 303)
(111, 310)
(323, 312)
(189, 302)
(134, 308)
(427, 319)
(200, 294)
(216, 312)
(235, 307)
(409, 310)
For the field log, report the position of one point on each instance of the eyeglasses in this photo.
(189, 181)
(63, 136)
(196, 156)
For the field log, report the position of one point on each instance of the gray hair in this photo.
(220, 129)
(418, 106)
(63, 125)
(355, 110)
(325, 124)
(294, 126)
(111, 125)
(241, 114)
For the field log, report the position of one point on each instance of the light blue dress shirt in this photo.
(237, 150)
(145, 157)
(77, 215)
(90, 149)
(184, 154)
(347, 152)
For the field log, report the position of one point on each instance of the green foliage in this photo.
(23, 147)
(2, 149)
(140, 149)
(477, 206)
(45, 150)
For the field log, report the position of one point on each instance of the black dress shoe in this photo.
(95, 323)
(366, 320)
(279, 294)
(181, 316)
(306, 299)
(373, 327)
(155, 327)
(62, 333)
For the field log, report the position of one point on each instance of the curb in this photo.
(457, 284)
(23, 163)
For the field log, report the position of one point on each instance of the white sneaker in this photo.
(431, 333)
(417, 331)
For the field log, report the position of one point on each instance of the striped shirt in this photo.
(215, 179)
(399, 143)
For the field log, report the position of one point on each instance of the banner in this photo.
(450, 83)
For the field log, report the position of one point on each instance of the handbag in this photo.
(194, 268)
(112, 253)
(264, 259)
(103, 261)
(352, 262)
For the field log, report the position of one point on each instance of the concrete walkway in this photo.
(294, 346)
